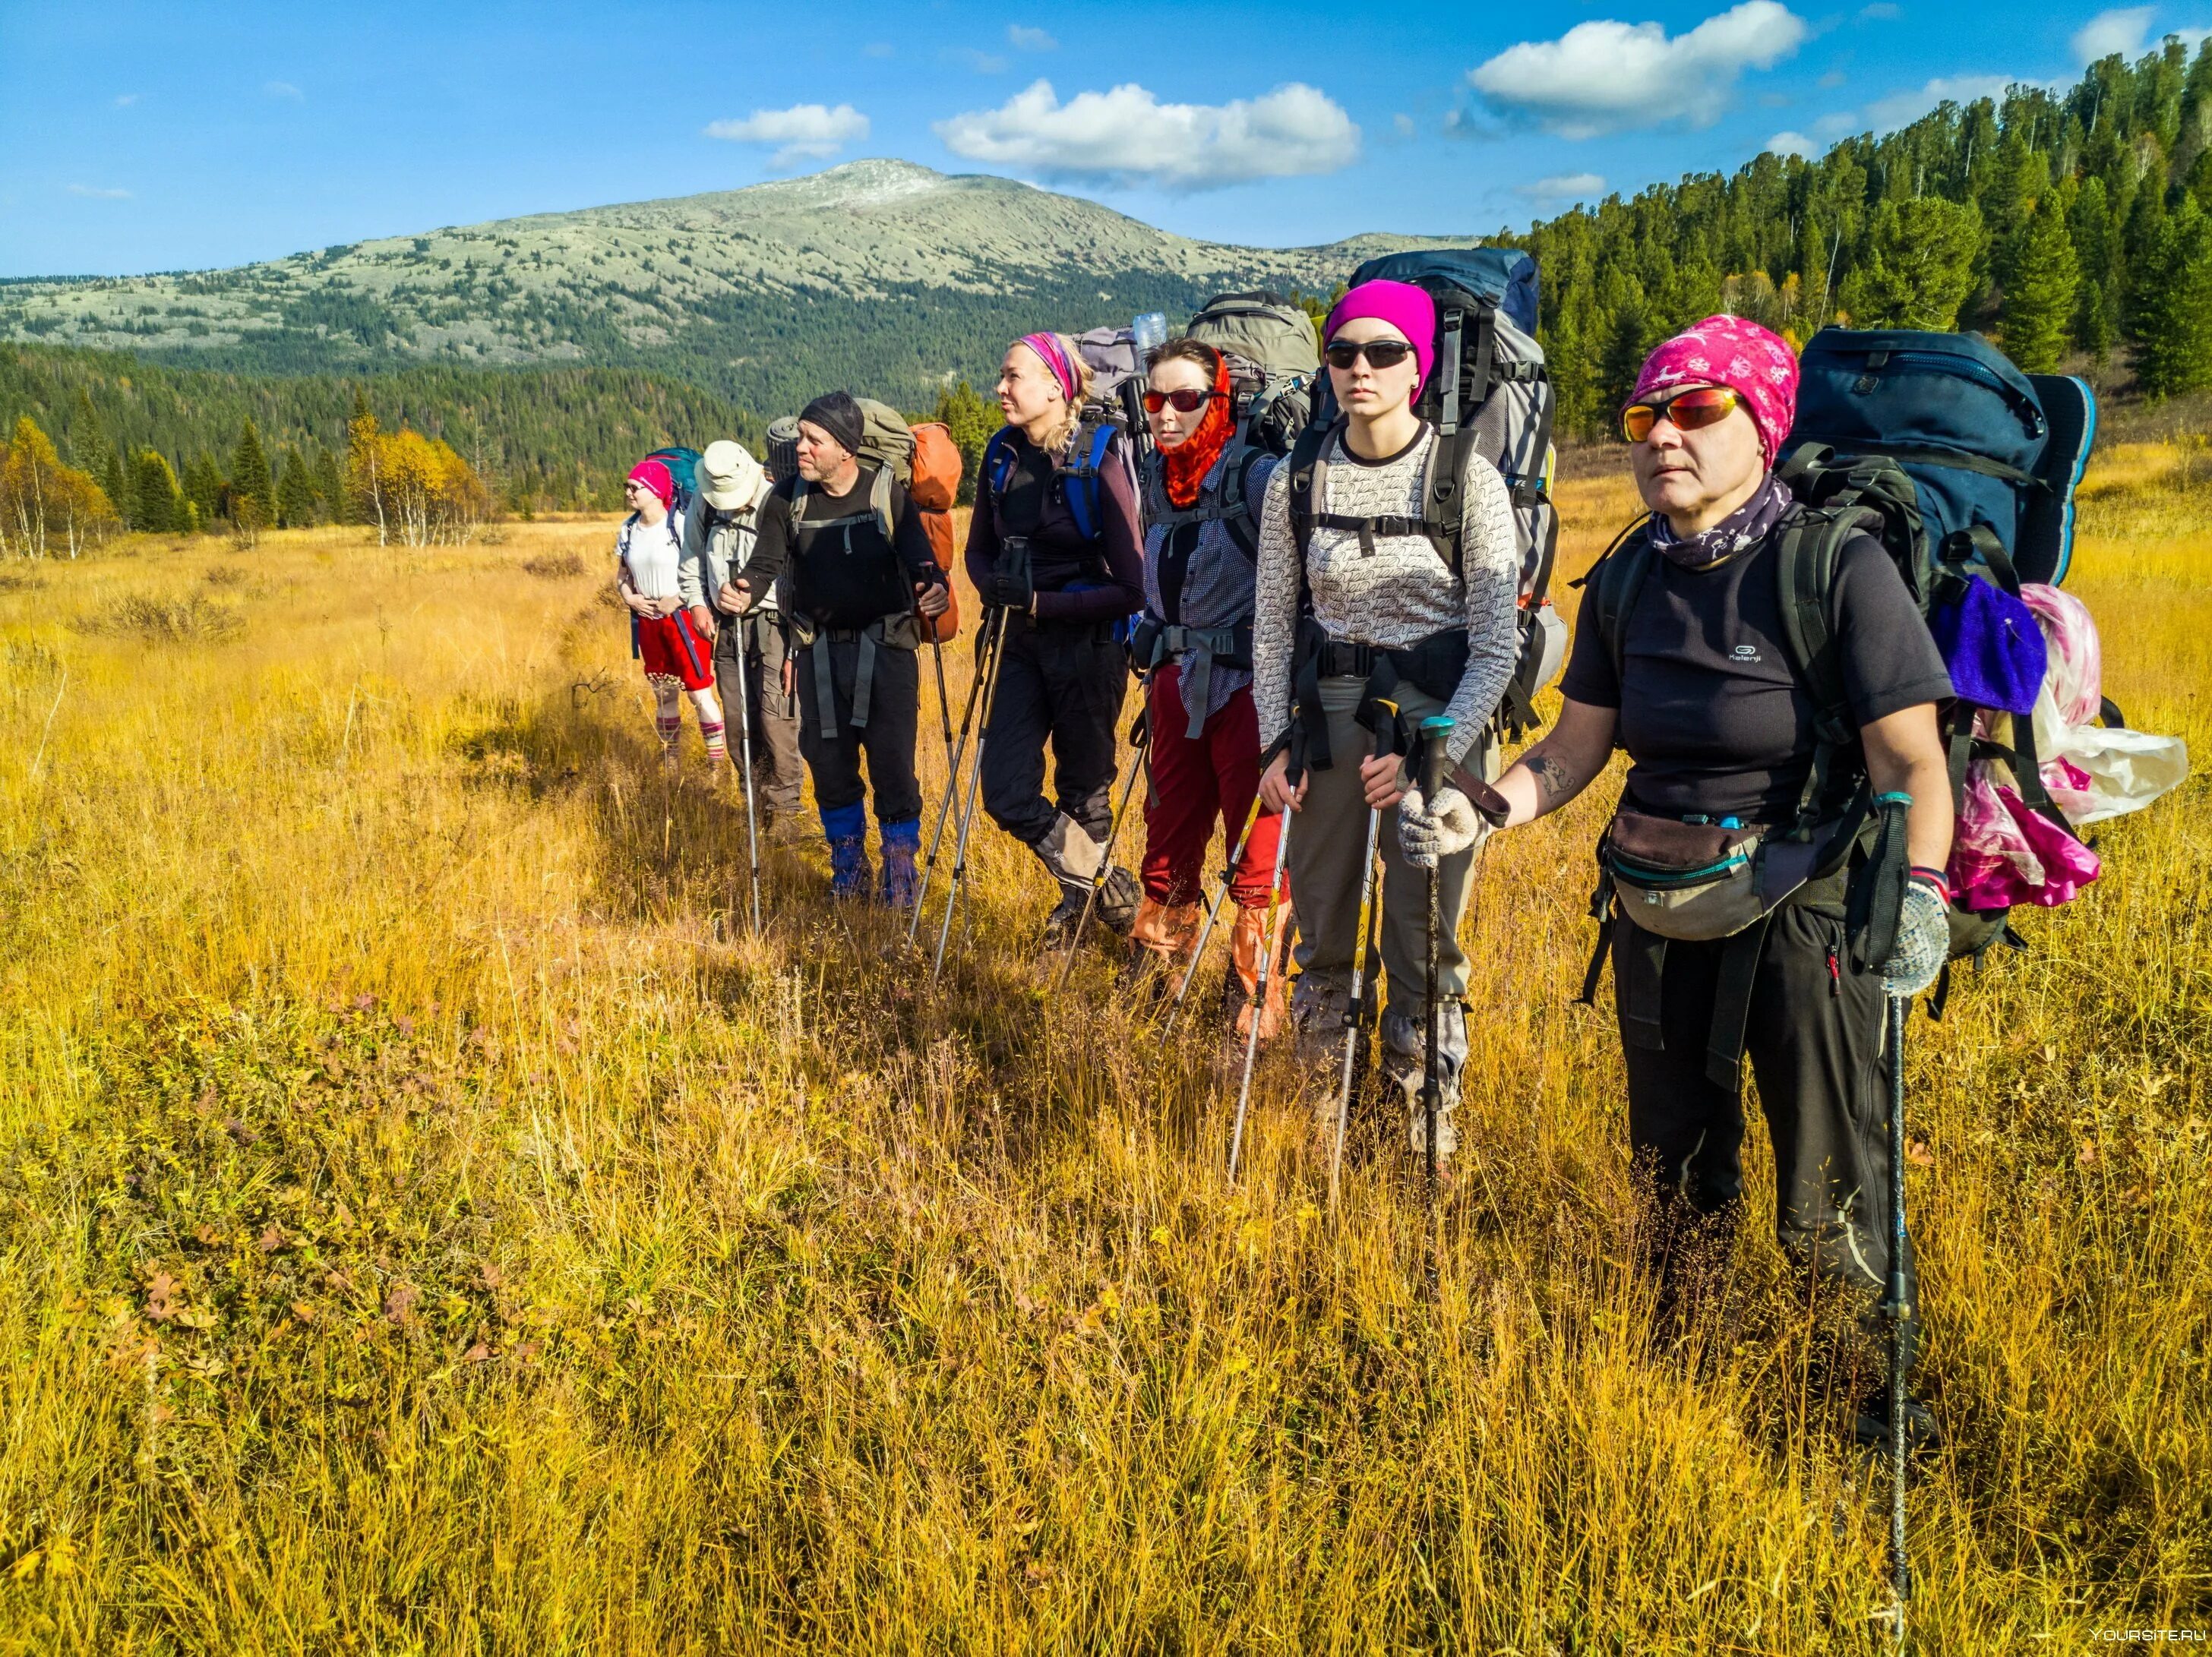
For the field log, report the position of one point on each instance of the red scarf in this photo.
(1183, 469)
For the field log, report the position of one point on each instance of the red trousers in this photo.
(1197, 780)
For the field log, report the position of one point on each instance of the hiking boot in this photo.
(1404, 1047)
(1071, 857)
(1060, 926)
(1870, 1428)
(1161, 937)
(1247, 943)
(901, 880)
(1117, 908)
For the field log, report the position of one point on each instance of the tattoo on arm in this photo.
(1556, 781)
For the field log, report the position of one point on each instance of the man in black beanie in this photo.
(859, 575)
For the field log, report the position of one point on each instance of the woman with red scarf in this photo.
(1202, 491)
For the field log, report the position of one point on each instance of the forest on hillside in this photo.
(2072, 226)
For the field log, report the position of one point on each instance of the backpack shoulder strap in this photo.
(879, 502)
(1081, 479)
(1613, 584)
(1807, 554)
(1440, 507)
(1237, 515)
(1307, 471)
(998, 461)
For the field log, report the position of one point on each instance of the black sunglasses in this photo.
(1182, 402)
(1379, 353)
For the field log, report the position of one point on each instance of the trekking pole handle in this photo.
(1386, 730)
(1436, 731)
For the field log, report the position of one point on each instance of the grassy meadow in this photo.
(428, 1222)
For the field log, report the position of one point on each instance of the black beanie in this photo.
(837, 413)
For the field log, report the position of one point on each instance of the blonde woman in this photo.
(1055, 544)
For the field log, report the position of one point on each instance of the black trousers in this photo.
(1064, 685)
(886, 740)
(1814, 1036)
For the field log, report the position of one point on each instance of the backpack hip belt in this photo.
(1196, 649)
(902, 631)
(1433, 665)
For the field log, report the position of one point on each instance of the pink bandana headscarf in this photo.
(1054, 357)
(1755, 362)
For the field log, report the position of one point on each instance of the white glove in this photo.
(1923, 941)
(1428, 835)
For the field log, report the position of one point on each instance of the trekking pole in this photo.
(1435, 732)
(985, 654)
(1139, 736)
(1205, 931)
(944, 703)
(1900, 1310)
(967, 806)
(1292, 776)
(745, 757)
(1355, 1009)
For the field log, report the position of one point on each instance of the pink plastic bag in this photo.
(2004, 854)
(2076, 677)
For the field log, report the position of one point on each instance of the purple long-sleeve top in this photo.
(1076, 579)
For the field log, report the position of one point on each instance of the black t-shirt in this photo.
(1712, 717)
(847, 575)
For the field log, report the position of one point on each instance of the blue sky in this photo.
(137, 136)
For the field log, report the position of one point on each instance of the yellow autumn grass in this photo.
(431, 1224)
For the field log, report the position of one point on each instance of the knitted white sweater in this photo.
(1399, 594)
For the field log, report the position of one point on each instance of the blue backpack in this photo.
(1079, 478)
(684, 466)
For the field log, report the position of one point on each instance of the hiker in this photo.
(856, 565)
(1055, 543)
(751, 638)
(1356, 602)
(676, 653)
(1203, 487)
(1721, 739)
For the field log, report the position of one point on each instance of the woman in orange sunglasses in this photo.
(1735, 864)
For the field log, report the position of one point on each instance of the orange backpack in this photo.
(936, 485)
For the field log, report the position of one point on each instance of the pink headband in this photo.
(1755, 364)
(1049, 353)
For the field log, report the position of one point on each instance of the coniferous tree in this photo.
(2042, 283)
(295, 493)
(330, 491)
(203, 486)
(250, 479)
(1918, 267)
(2173, 347)
(156, 503)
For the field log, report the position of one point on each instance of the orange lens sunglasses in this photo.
(1691, 411)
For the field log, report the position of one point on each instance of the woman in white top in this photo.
(1356, 602)
(678, 658)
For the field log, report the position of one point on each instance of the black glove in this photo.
(1010, 589)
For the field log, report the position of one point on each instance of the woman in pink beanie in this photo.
(1355, 602)
(1682, 656)
(678, 659)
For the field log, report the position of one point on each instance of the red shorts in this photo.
(673, 647)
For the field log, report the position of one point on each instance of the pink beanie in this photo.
(1404, 307)
(1753, 363)
(657, 478)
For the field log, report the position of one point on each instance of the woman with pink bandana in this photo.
(1058, 548)
(1354, 602)
(1691, 675)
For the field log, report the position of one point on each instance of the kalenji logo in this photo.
(1746, 652)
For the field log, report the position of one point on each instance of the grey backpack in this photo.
(1274, 358)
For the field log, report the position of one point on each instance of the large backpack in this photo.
(934, 487)
(1111, 353)
(1489, 389)
(1274, 361)
(1964, 470)
(684, 466)
(890, 445)
(1079, 479)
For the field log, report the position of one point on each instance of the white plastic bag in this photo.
(2092, 772)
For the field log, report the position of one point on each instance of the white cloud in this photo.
(878, 49)
(983, 63)
(2123, 29)
(99, 194)
(124, 101)
(1833, 79)
(1793, 143)
(284, 89)
(1403, 126)
(1127, 136)
(1841, 124)
(1564, 187)
(803, 132)
(1880, 12)
(1903, 108)
(1609, 76)
(1023, 38)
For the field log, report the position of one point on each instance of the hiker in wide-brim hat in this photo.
(1055, 550)
(751, 634)
(1356, 605)
(1732, 871)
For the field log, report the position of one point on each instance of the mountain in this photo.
(881, 275)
